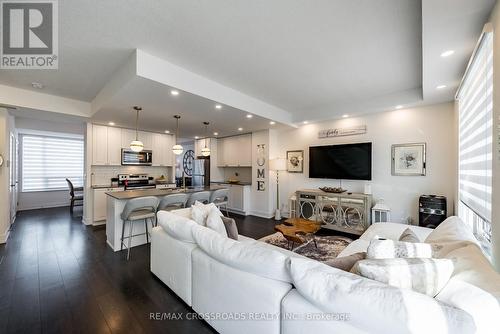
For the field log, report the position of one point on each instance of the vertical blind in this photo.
(475, 108)
(47, 161)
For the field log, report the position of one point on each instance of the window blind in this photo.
(475, 128)
(47, 161)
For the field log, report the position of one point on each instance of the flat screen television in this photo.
(348, 161)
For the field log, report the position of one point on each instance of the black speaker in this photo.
(431, 211)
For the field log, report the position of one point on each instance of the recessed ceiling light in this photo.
(399, 106)
(167, 131)
(218, 106)
(441, 87)
(216, 133)
(111, 123)
(249, 116)
(174, 92)
(305, 122)
(240, 129)
(272, 122)
(447, 53)
(196, 137)
(345, 116)
(37, 85)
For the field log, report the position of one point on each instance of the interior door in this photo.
(13, 177)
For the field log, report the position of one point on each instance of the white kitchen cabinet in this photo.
(239, 197)
(169, 155)
(244, 145)
(99, 201)
(127, 137)
(99, 146)
(107, 143)
(162, 149)
(235, 151)
(221, 162)
(114, 148)
(147, 139)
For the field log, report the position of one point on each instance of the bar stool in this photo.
(138, 210)
(173, 202)
(220, 198)
(202, 196)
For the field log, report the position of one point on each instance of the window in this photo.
(48, 160)
(475, 134)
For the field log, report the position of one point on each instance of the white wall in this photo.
(261, 200)
(40, 125)
(6, 126)
(432, 124)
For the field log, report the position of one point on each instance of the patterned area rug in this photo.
(329, 246)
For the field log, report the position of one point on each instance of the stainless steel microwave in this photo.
(143, 158)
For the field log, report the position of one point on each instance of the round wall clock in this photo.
(188, 162)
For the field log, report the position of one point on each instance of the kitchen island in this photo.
(116, 201)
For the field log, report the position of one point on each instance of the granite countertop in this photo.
(129, 194)
(101, 186)
(240, 183)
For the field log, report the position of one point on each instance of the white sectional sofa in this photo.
(248, 286)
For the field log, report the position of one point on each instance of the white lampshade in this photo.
(136, 146)
(177, 149)
(205, 151)
(278, 164)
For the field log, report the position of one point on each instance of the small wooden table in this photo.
(296, 230)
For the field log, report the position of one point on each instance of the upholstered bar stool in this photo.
(138, 210)
(202, 196)
(220, 198)
(173, 202)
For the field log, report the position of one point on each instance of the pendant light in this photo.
(137, 145)
(205, 151)
(177, 149)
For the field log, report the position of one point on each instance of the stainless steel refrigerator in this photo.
(201, 172)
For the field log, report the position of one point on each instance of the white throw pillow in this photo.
(200, 211)
(451, 234)
(214, 222)
(372, 306)
(248, 257)
(178, 227)
(451, 230)
(427, 276)
(474, 288)
(390, 249)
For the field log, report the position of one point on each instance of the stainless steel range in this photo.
(135, 181)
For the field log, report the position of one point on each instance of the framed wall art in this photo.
(295, 161)
(409, 159)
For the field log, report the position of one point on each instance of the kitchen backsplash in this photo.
(244, 174)
(101, 175)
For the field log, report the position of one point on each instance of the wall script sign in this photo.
(355, 130)
(261, 171)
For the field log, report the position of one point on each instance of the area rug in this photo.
(329, 246)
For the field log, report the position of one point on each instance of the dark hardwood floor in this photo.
(59, 276)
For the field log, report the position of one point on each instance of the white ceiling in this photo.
(159, 108)
(313, 61)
